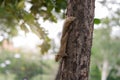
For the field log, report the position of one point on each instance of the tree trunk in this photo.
(76, 65)
(104, 70)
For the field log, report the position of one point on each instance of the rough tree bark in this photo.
(76, 65)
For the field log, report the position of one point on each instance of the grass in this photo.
(44, 77)
(38, 77)
(51, 72)
(7, 77)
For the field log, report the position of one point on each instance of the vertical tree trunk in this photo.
(104, 70)
(76, 65)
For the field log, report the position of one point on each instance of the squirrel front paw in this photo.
(58, 57)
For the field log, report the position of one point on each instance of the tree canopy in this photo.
(15, 15)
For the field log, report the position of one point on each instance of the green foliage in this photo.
(14, 16)
(25, 68)
(97, 21)
(95, 73)
(106, 47)
(7, 77)
(46, 8)
(113, 74)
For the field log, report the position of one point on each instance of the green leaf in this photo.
(45, 46)
(21, 4)
(97, 21)
(29, 18)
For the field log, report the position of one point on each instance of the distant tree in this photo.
(105, 49)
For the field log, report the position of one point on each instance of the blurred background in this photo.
(30, 32)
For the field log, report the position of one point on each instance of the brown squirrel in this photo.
(64, 38)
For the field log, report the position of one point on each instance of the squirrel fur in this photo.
(65, 32)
